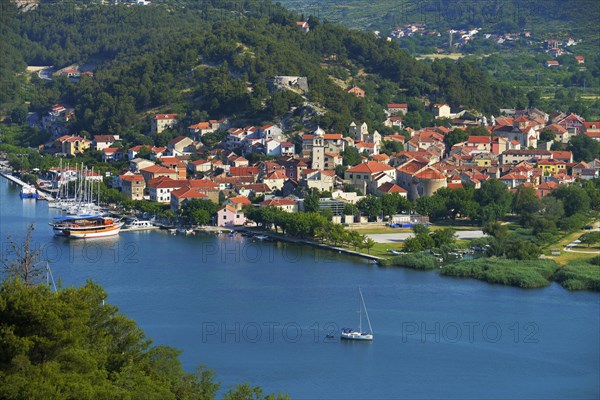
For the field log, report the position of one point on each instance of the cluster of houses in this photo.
(410, 30)
(186, 169)
(555, 48)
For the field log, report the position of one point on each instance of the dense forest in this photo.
(211, 59)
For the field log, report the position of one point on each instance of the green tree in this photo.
(19, 115)
(351, 156)
(494, 198)
(370, 206)
(455, 136)
(546, 135)
(368, 243)
(574, 198)
(590, 238)
(584, 148)
(443, 237)
(311, 203)
(526, 204)
(144, 153)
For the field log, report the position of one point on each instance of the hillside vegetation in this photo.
(547, 17)
(217, 58)
(70, 344)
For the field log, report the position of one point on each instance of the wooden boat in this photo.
(86, 226)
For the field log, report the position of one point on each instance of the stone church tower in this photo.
(318, 149)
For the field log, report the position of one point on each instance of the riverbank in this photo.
(528, 274)
(288, 239)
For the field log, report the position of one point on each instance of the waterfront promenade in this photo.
(41, 195)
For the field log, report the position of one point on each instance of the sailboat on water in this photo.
(350, 334)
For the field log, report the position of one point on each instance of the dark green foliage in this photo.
(590, 238)
(351, 156)
(370, 206)
(416, 261)
(524, 274)
(70, 344)
(575, 199)
(425, 239)
(394, 203)
(547, 135)
(418, 243)
(584, 148)
(311, 203)
(211, 139)
(526, 204)
(443, 237)
(455, 136)
(193, 59)
(494, 198)
(198, 211)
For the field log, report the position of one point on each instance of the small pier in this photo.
(41, 195)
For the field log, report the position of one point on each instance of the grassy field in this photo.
(565, 256)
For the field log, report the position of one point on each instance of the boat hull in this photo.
(357, 336)
(74, 234)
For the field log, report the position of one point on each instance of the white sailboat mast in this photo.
(366, 312)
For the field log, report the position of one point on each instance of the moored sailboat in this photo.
(351, 334)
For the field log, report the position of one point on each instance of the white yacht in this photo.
(139, 225)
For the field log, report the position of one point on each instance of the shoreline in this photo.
(340, 250)
(281, 238)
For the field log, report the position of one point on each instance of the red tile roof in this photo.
(277, 202)
(370, 167)
(240, 200)
(165, 116)
(430, 173)
(479, 139)
(154, 169)
(131, 178)
(188, 193)
(390, 187)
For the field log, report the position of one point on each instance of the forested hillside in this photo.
(509, 40)
(215, 58)
(574, 17)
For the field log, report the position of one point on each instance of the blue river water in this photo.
(259, 313)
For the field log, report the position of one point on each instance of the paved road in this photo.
(402, 236)
(577, 242)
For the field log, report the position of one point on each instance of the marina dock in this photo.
(14, 179)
